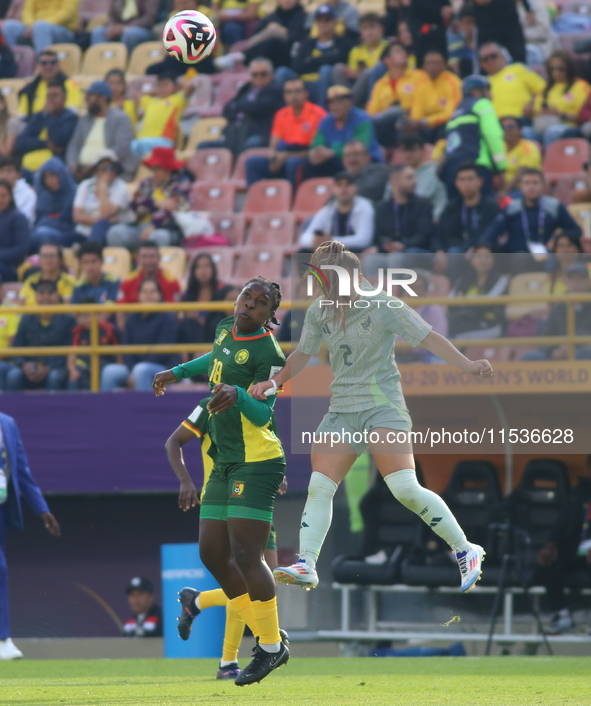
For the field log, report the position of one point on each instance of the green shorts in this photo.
(245, 490)
(353, 425)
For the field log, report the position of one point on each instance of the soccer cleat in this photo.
(470, 563)
(300, 574)
(263, 663)
(8, 650)
(189, 611)
(230, 671)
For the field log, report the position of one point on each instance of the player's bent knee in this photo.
(405, 487)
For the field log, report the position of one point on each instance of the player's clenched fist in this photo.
(160, 380)
(480, 367)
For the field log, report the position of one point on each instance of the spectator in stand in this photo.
(46, 134)
(566, 251)
(346, 15)
(204, 286)
(429, 186)
(14, 235)
(292, 133)
(427, 20)
(8, 66)
(537, 27)
(371, 178)
(95, 284)
(154, 204)
(392, 96)
(362, 59)
(34, 330)
(116, 80)
(403, 223)
(10, 126)
(483, 279)
(44, 22)
(51, 263)
(514, 87)
(348, 218)
(33, 97)
(161, 115)
(557, 107)
(102, 200)
(275, 38)
(55, 189)
(130, 22)
(521, 153)
(498, 21)
(531, 222)
(148, 262)
(435, 98)
(24, 195)
(343, 124)
(577, 282)
(233, 16)
(461, 44)
(79, 365)
(158, 327)
(147, 615)
(103, 127)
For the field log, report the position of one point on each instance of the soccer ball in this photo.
(189, 36)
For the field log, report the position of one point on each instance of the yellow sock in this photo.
(267, 620)
(209, 599)
(233, 634)
(243, 607)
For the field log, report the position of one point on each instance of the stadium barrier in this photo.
(95, 350)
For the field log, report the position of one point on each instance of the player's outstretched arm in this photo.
(442, 348)
(197, 366)
(294, 364)
(188, 493)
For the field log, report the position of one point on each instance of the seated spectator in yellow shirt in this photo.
(513, 86)
(161, 115)
(116, 79)
(435, 98)
(355, 73)
(44, 22)
(52, 267)
(521, 153)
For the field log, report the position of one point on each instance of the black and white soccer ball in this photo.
(189, 36)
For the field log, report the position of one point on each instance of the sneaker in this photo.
(263, 663)
(561, 622)
(8, 650)
(300, 574)
(189, 611)
(230, 671)
(229, 61)
(470, 563)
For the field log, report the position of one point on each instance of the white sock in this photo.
(273, 648)
(225, 663)
(428, 506)
(316, 517)
(198, 606)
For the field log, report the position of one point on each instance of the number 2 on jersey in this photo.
(216, 372)
(347, 353)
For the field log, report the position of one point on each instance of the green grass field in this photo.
(464, 681)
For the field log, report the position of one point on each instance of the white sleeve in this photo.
(363, 224)
(30, 205)
(119, 194)
(81, 194)
(319, 222)
(311, 336)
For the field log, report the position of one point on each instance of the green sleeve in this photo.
(363, 133)
(318, 139)
(198, 366)
(256, 411)
(492, 133)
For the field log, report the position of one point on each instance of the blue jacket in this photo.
(159, 327)
(14, 236)
(358, 127)
(23, 482)
(60, 129)
(54, 208)
(541, 222)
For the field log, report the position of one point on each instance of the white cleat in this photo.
(470, 564)
(8, 650)
(299, 574)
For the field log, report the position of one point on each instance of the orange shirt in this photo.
(297, 131)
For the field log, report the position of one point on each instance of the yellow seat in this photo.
(71, 261)
(101, 58)
(145, 55)
(9, 87)
(117, 261)
(173, 261)
(581, 212)
(527, 284)
(205, 129)
(69, 56)
(84, 82)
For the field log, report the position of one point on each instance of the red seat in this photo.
(272, 229)
(232, 225)
(222, 257)
(267, 263)
(565, 187)
(211, 164)
(311, 197)
(268, 196)
(201, 97)
(239, 176)
(217, 197)
(565, 157)
(25, 61)
(229, 86)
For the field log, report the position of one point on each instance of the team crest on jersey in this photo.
(365, 327)
(238, 489)
(242, 356)
(222, 335)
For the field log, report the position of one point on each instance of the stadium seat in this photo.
(145, 55)
(581, 212)
(239, 175)
(9, 87)
(69, 56)
(10, 291)
(268, 196)
(71, 261)
(139, 86)
(205, 129)
(268, 263)
(174, 261)
(217, 197)
(200, 99)
(580, 7)
(230, 225)
(565, 187)
(92, 8)
(311, 197)
(565, 157)
(117, 261)
(223, 258)
(84, 82)
(25, 60)
(229, 85)
(272, 229)
(211, 164)
(568, 41)
(530, 284)
(101, 58)
(496, 354)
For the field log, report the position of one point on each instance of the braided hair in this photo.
(275, 289)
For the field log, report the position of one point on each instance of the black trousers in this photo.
(553, 579)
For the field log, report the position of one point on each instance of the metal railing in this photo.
(95, 349)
